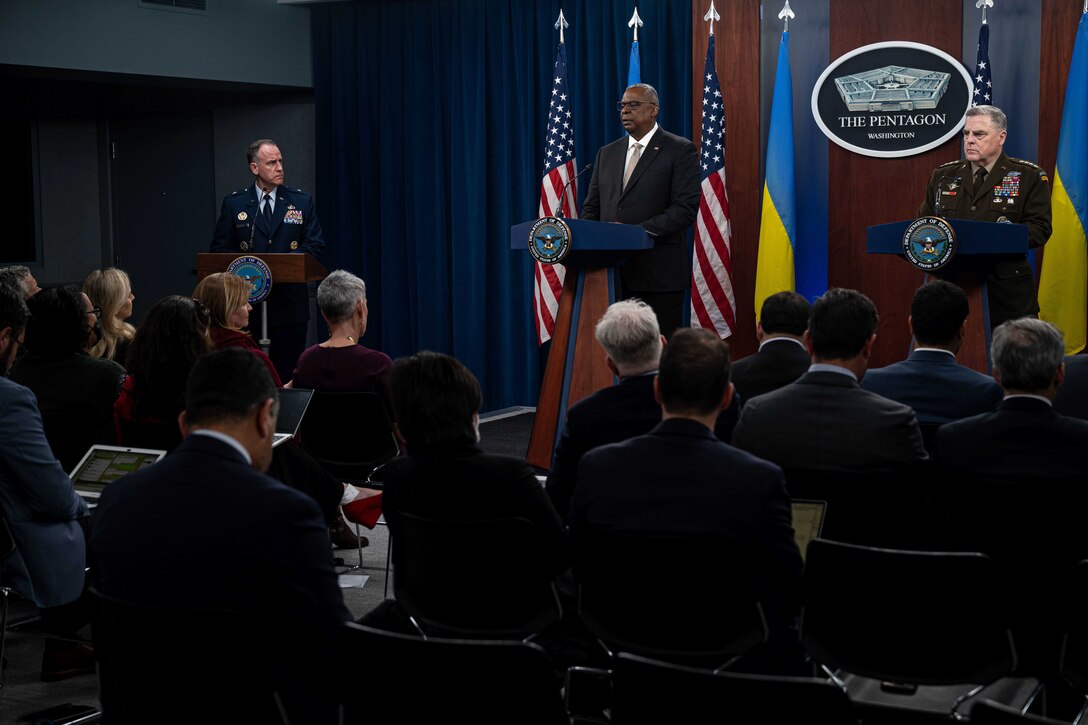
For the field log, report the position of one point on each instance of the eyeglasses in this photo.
(96, 311)
(632, 105)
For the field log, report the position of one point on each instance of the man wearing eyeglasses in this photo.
(649, 178)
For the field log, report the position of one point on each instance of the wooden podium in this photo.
(974, 240)
(576, 366)
(291, 267)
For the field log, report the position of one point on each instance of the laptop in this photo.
(293, 405)
(101, 465)
(808, 521)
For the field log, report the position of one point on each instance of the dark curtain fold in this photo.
(430, 145)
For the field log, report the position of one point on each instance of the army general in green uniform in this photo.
(990, 186)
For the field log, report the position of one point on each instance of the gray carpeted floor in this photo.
(504, 432)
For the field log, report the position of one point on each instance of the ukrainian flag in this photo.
(774, 265)
(1063, 284)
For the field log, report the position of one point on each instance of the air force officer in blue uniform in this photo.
(270, 218)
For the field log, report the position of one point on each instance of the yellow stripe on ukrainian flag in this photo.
(775, 260)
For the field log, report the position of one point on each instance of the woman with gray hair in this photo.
(341, 364)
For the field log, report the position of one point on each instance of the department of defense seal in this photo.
(929, 243)
(257, 273)
(242, 216)
(549, 240)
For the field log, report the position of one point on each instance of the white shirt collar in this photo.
(825, 368)
(1048, 401)
(767, 340)
(232, 442)
(643, 142)
(935, 349)
(261, 192)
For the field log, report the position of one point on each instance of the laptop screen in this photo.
(105, 464)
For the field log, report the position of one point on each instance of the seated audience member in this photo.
(75, 391)
(1072, 398)
(782, 355)
(930, 380)
(1024, 437)
(679, 478)
(825, 420)
(341, 364)
(42, 510)
(445, 474)
(111, 291)
(174, 334)
(632, 342)
(205, 527)
(21, 278)
(227, 298)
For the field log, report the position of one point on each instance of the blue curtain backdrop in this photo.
(430, 134)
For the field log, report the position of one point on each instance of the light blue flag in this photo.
(634, 70)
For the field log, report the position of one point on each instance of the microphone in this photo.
(563, 197)
(937, 201)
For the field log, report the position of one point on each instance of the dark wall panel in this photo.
(864, 191)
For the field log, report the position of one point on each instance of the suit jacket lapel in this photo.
(988, 184)
(648, 155)
(279, 211)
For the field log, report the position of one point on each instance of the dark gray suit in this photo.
(936, 386)
(1073, 394)
(826, 421)
(778, 362)
(662, 196)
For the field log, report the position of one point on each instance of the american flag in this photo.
(712, 303)
(983, 94)
(559, 168)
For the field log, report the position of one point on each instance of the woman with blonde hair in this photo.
(227, 298)
(111, 291)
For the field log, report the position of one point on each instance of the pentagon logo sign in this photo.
(892, 99)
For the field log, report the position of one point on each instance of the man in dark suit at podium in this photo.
(992, 187)
(270, 218)
(782, 356)
(651, 178)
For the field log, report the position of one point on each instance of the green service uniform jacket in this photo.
(1016, 191)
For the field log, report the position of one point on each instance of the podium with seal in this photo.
(260, 270)
(590, 250)
(954, 250)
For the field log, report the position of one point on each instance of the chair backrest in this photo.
(646, 691)
(876, 508)
(164, 436)
(704, 602)
(348, 433)
(988, 712)
(447, 680)
(1073, 662)
(906, 616)
(176, 664)
(484, 578)
(70, 433)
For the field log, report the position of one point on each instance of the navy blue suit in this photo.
(936, 386)
(202, 528)
(1024, 438)
(242, 229)
(778, 362)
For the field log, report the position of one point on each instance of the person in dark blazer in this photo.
(651, 178)
(1072, 398)
(826, 420)
(679, 478)
(782, 355)
(42, 510)
(931, 381)
(632, 341)
(1025, 438)
(288, 225)
(206, 528)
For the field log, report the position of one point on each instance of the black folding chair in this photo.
(494, 582)
(447, 680)
(703, 608)
(350, 434)
(910, 630)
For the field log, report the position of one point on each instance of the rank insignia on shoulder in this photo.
(1043, 176)
(242, 216)
(294, 246)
